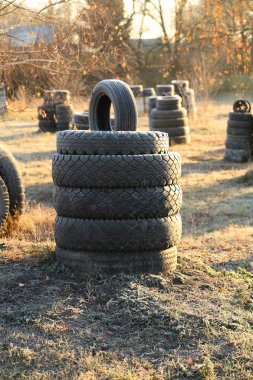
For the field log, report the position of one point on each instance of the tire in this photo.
(129, 203)
(165, 103)
(148, 92)
(168, 123)
(151, 103)
(134, 235)
(239, 116)
(4, 203)
(237, 155)
(245, 131)
(121, 97)
(165, 89)
(181, 86)
(180, 140)
(114, 262)
(81, 118)
(238, 142)
(174, 132)
(172, 114)
(12, 179)
(116, 171)
(240, 124)
(62, 126)
(47, 126)
(110, 143)
(137, 90)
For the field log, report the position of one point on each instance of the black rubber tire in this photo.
(165, 103)
(181, 86)
(137, 90)
(118, 94)
(129, 262)
(240, 116)
(4, 203)
(151, 103)
(81, 118)
(242, 106)
(134, 235)
(173, 132)
(180, 140)
(47, 126)
(62, 126)
(116, 171)
(165, 89)
(238, 142)
(60, 96)
(12, 179)
(240, 124)
(237, 155)
(172, 114)
(147, 92)
(110, 143)
(128, 203)
(245, 131)
(168, 123)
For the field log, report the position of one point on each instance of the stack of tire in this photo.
(117, 194)
(165, 90)
(3, 101)
(64, 115)
(170, 117)
(12, 195)
(151, 103)
(61, 96)
(46, 117)
(147, 93)
(239, 141)
(137, 90)
(182, 88)
(81, 121)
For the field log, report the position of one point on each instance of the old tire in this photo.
(180, 140)
(168, 123)
(241, 124)
(110, 143)
(173, 132)
(4, 203)
(115, 262)
(239, 116)
(12, 179)
(168, 115)
(128, 203)
(118, 94)
(116, 171)
(244, 131)
(165, 103)
(131, 235)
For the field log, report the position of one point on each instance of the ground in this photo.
(196, 324)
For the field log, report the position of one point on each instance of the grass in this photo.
(195, 325)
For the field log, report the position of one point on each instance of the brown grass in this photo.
(196, 325)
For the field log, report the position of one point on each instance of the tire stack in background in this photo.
(151, 103)
(170, 117)
(63, 112)
(239, 141)
(165, 90)
(147, 93)
(137, 91)
(3, 101)
(117, 194)
(182, 88)
(46, 114)
(81, 121)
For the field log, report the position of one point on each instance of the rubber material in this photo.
(240, 124)
(245, 131)
(180, 140)
(169, 123)
(4, 203)
(172, 114)
(165, 103)
(12, 179)
(115, 262)
(165, 89)
(135, 235)
(110, 143)
(173, 132)
(129, 203)
(116, 171)
(118, 94)
(239, 116)
(237, 155)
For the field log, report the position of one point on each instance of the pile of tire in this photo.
(46, 117)
(61, 96)
(239, 141)
(165, 90)
(151, 103)
(81, 121)
(170, 117)
(182, 88)
(137, 90)
(12, 194)
(117, 194)
(64, 114)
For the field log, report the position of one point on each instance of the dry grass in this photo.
(196, 325)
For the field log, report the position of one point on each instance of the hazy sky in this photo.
(152, 29)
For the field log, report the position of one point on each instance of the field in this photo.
(196, 325)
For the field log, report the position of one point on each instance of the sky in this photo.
(152, 29)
